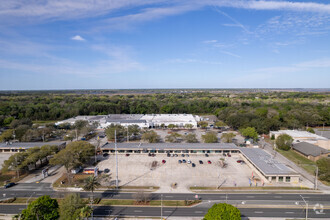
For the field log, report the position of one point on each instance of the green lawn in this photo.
(299, 160)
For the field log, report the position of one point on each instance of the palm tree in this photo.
(85, 212)
(92, 183)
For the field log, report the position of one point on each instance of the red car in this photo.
(209, 162)
(239, 161)
(228, 155)
(163, 161)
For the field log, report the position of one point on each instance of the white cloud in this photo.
(209, 41)
(185, 61)
(307, 65)
(78, 38)
(231, 54)
(41, 11)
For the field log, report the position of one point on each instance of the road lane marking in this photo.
(198, 211)
(167, 211)
(278, 197)
(258, 212)
(169, 196)
(250, 196)
(137, 210)
(289, 212)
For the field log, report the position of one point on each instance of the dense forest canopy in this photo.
(263, 110)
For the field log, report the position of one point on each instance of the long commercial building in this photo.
(141, 120)
(258, 160)
(14, 147)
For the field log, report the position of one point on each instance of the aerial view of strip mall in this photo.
(164, 109)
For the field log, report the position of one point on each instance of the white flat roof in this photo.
(295, 134)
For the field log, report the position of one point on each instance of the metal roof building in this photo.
(13, 147)
(259, 160)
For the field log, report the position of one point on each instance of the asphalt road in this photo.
(36, 190)
(167, 212)
(292, 209)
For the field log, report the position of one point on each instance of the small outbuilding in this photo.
(310, 151)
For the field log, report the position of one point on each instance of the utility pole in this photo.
(306, 203)
(127, 135)
(116, 159)
(316, 174)
(17, 171)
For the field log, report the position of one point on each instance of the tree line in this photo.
(263, 111)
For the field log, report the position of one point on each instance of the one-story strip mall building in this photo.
(257, 159)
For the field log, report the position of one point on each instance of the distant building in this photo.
(310, 151)
(143, 121)
(304, 136)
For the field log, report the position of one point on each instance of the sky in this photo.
(138, 44)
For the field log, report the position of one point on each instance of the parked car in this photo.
(224, 154)
(175, 155)
(206, 155)
(209, 162)
(200, 162)
(179, 161)
(187, 155)
(9, 185)
(184, 161)
(106, 170)
(168, 154)
(239, 161)
(163, 161)
(228, 155)
(105, 154)
(193, 165)
(127, 155)
(182, 155)
(188, 161)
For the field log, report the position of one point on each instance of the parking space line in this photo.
(258, 212)
(137, 210)
(289, 212)
(198, 211)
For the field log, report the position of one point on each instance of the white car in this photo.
(188, 161)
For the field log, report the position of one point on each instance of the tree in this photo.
(223, 211)
(311, 130)
(220, 124)
(227, 137)
(91, 184)
(284, 142)
(151, 137)
(171, 126)
(42, 208)
(249, 132)
(173, 137)
(191, 138)
(324, 171)
(72, 207)
(7, 135)
(79, 126)
(75, 154)
(203, 124)
(210, 137)
(188, 126)
(110, 131)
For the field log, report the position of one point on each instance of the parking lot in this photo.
(136, 170)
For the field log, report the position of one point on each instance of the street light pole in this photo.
(306, 217)
(27, 201)
(116, 159)
(316, 174)
(161, 206)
